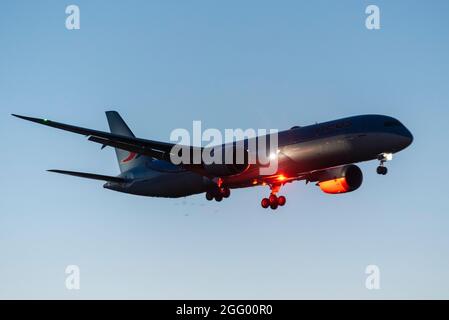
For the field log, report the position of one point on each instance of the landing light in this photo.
(281, 177)
(273, 155)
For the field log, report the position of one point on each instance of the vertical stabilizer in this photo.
(126, 160)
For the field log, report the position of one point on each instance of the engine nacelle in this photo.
(340, 179)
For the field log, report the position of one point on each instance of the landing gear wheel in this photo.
(226, 192)
(382, 170)
(265, 203)
(209, 196)
(273, 199)
(282, 200)
(379, 170)
(218, 198)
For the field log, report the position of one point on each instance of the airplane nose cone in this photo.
(408, 137)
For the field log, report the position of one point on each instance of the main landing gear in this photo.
(218, 194)
(273, 201)
(384, 157)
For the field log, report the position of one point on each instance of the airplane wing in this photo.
(155, 149)
(90, 176)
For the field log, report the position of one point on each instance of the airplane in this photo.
(324, 153)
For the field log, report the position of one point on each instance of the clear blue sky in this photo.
(230, 64)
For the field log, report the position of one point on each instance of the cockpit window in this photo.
(392, 123)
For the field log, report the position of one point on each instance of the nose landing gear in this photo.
(384, 157)
(382, 170)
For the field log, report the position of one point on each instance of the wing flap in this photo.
(131, 148)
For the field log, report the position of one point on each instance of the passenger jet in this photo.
(324, 153)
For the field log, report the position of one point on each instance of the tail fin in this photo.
(126, 160)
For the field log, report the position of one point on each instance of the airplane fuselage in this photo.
(302, 150)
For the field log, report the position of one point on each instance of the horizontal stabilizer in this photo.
(90, 176)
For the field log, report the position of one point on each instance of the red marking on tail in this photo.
(130, 157)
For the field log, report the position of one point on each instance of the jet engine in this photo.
(339, 180)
